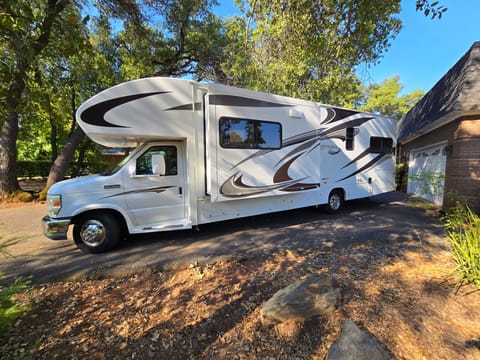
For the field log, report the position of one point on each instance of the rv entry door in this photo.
(156, 199)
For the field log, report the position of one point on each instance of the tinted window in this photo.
(250, 134)
(381, 145)
(349, 144)
(144, 162)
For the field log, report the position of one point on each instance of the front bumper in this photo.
(55, 229)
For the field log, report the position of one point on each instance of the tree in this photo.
(51, 88)
(385, 99)
(134, 51)
(308, 48)
(25, 29)
(100, 62)
(25, 32)
(193, 40)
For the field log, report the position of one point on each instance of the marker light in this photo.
(54, 204)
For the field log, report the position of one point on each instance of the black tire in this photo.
(335, 201)
(97, 233)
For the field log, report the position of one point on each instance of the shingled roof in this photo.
(456, 94)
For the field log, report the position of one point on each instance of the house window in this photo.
(381, 145)
(250, 134)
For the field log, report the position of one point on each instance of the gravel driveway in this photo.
(385, 218)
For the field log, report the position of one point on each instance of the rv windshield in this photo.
(116, 168)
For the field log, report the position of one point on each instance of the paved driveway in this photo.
(383, 219)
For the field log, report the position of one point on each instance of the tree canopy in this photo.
(385, 98)
(308, 48)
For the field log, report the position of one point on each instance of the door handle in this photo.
(180, 190)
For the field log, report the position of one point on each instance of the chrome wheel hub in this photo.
(93, 233)
(334, 202)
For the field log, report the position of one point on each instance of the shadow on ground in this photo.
(387, 218)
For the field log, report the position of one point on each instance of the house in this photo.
(439, 138)
(113, 156)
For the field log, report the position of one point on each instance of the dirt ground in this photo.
(211, 311)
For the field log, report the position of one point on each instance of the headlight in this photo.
(54, 204)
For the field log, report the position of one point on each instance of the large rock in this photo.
(303, 300)
(355, 343)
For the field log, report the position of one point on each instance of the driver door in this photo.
(157, 199)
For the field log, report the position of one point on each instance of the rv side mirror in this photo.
(131, 171)
(158, 164)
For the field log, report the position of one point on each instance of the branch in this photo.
(247, 28)
(53, 9)
(433, 9)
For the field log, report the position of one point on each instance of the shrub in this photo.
(463, 231)
(430, 183)
(20, 196)
(400, 177)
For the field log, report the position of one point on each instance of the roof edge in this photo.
(443, 98)
(438, 123)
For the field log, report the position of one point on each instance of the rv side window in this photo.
(381, 145)
(144, 162)
(250, 134)
(349, 138)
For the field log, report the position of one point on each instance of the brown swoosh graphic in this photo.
(235, 187)
(158, 189)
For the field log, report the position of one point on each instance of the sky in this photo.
(425, 49)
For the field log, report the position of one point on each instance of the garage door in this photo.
(426, 172)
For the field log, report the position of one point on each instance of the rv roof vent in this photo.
(296, 114)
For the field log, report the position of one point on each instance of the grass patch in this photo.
(463, 231)
(10, 310)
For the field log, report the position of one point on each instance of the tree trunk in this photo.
(9, 134)
(8, 155)
(53, 140)
(61, 163)
(53, 131)
(81, 158)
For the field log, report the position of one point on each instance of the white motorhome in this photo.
(208, 152)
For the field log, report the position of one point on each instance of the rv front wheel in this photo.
(335, 201)
(96, 233)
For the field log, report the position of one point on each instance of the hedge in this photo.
(41, 168)
(37, 168)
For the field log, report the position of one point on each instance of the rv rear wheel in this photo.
(96, 233)
(335, 201)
